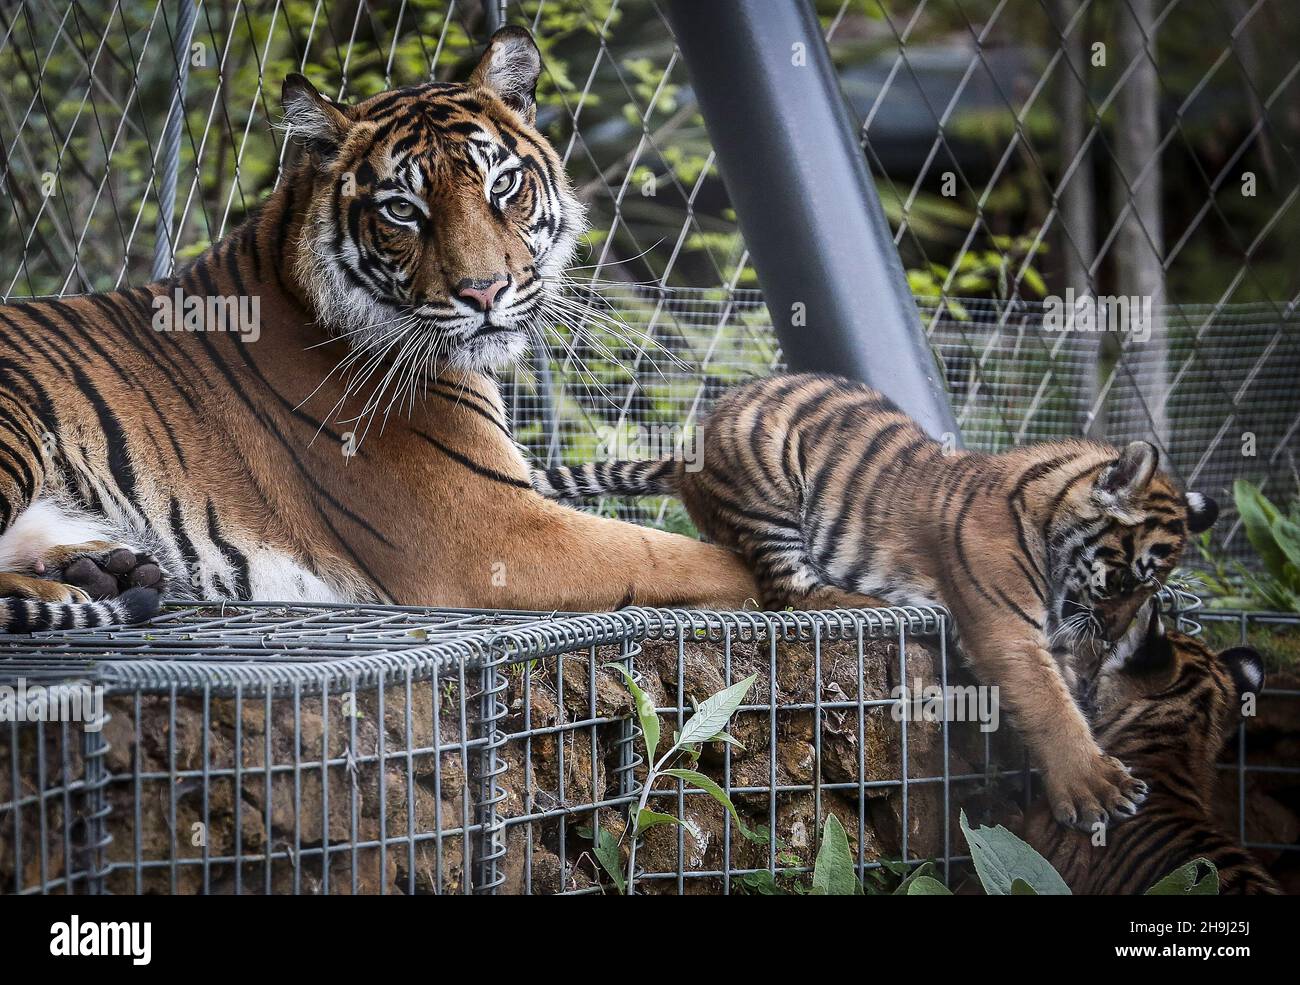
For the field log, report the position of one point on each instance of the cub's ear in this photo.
(1247, 668)
(509, 68)
(1202, 511)
(317, 122)
(1129, 474)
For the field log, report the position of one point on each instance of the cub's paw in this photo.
(1100, 790)
(103, 570)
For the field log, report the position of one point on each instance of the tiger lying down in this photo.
(1166, 709)
(826, 489)
(348, 441)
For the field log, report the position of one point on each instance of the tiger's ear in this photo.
(1202, 511)
(1123, 479)
(317, 122)
(509, 68)
(1247, 668)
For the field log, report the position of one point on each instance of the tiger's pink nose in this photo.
(481, 293)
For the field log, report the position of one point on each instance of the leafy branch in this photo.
(707, 725)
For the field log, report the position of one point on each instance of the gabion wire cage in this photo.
(326, 749)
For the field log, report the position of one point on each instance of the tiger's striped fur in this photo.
(351, 444)
(28, 615)
(1166, 711)
(824, 486)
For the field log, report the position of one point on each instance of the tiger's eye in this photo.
(400, 209)
(504, 182)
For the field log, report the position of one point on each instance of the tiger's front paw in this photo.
(1096, 790)
(26, 587)
(103, 570)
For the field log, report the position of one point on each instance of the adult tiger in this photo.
(1166, 708)
(411, 250)
(827, 489)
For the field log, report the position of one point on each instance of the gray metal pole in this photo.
(164, 250)
(807, 206)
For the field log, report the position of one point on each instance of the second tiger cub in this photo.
(826, 488)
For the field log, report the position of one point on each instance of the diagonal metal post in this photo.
(164, 249)
(807, 206)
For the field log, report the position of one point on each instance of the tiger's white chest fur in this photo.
(275, 576)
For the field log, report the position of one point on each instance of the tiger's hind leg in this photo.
(34, 520)
(22, 463)
(779, 563)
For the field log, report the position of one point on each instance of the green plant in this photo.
(1005, 865)
(707, 725)
(1275, 536)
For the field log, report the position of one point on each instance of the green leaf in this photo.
(927, 886)
(714, 712)
(605, 848)
(730, 740)
(1000, 858)
(1035, 281)
(833, 873)
(647, 819)
(697, 779)
(645, 713)
(762, 883)
(1188, 880)
(921, 871)
(1287, 535)
(1021, 888)
(1258, 515)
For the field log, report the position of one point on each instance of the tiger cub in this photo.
(1166, 711)
(824, 487)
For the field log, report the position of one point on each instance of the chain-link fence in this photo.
(1136, 149)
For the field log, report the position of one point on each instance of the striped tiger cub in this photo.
(830, 493)
(1167, 711)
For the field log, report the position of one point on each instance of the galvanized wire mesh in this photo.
(1112, 147)
(239, 751)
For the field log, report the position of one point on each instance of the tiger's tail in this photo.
(656, 477)
(19, 615)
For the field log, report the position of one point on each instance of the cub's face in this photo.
(1169, 680)
(1129, 529)
(439, 219)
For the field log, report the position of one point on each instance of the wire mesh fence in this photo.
(327, 749)
(1121, 149)
(1135, 149)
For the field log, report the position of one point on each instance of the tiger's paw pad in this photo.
(1103, 793)
(106, 574)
